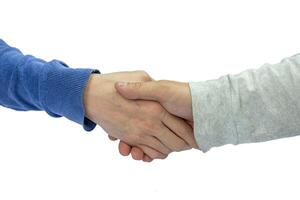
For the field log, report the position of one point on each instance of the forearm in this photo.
(253, 106)
(28, 83)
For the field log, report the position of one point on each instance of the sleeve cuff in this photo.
(62, 90)
(213, 121)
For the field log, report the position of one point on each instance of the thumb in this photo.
(138, 90)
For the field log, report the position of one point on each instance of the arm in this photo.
(253, 106)
(28, 83)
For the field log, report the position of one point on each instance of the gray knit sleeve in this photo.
(253, 106)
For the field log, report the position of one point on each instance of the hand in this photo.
(143, 124)
(175, 97)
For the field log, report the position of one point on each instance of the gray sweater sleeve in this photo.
(253, 106)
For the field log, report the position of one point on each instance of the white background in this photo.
(46, 158)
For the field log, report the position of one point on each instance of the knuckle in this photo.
(136, 85)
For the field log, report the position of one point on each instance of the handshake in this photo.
(150, 118)
(154, 118)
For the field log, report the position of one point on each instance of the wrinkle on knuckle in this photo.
(137, 85)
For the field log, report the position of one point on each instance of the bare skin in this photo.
(142, 125)
(174, 96)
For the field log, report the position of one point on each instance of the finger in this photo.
(124, 148)
(156, 144)
(170, 139)
(112, 138)
(152, 153)
(137, 153)
(147, 159)
(181, 128)
(139, 90)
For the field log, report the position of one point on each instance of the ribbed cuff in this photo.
(62, 90)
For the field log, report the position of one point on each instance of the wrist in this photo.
(97, 96)
(89, 95)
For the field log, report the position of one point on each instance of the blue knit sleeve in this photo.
(29, 83)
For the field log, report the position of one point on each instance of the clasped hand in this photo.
(150, 118)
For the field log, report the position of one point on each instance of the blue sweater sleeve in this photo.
(29, 83)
